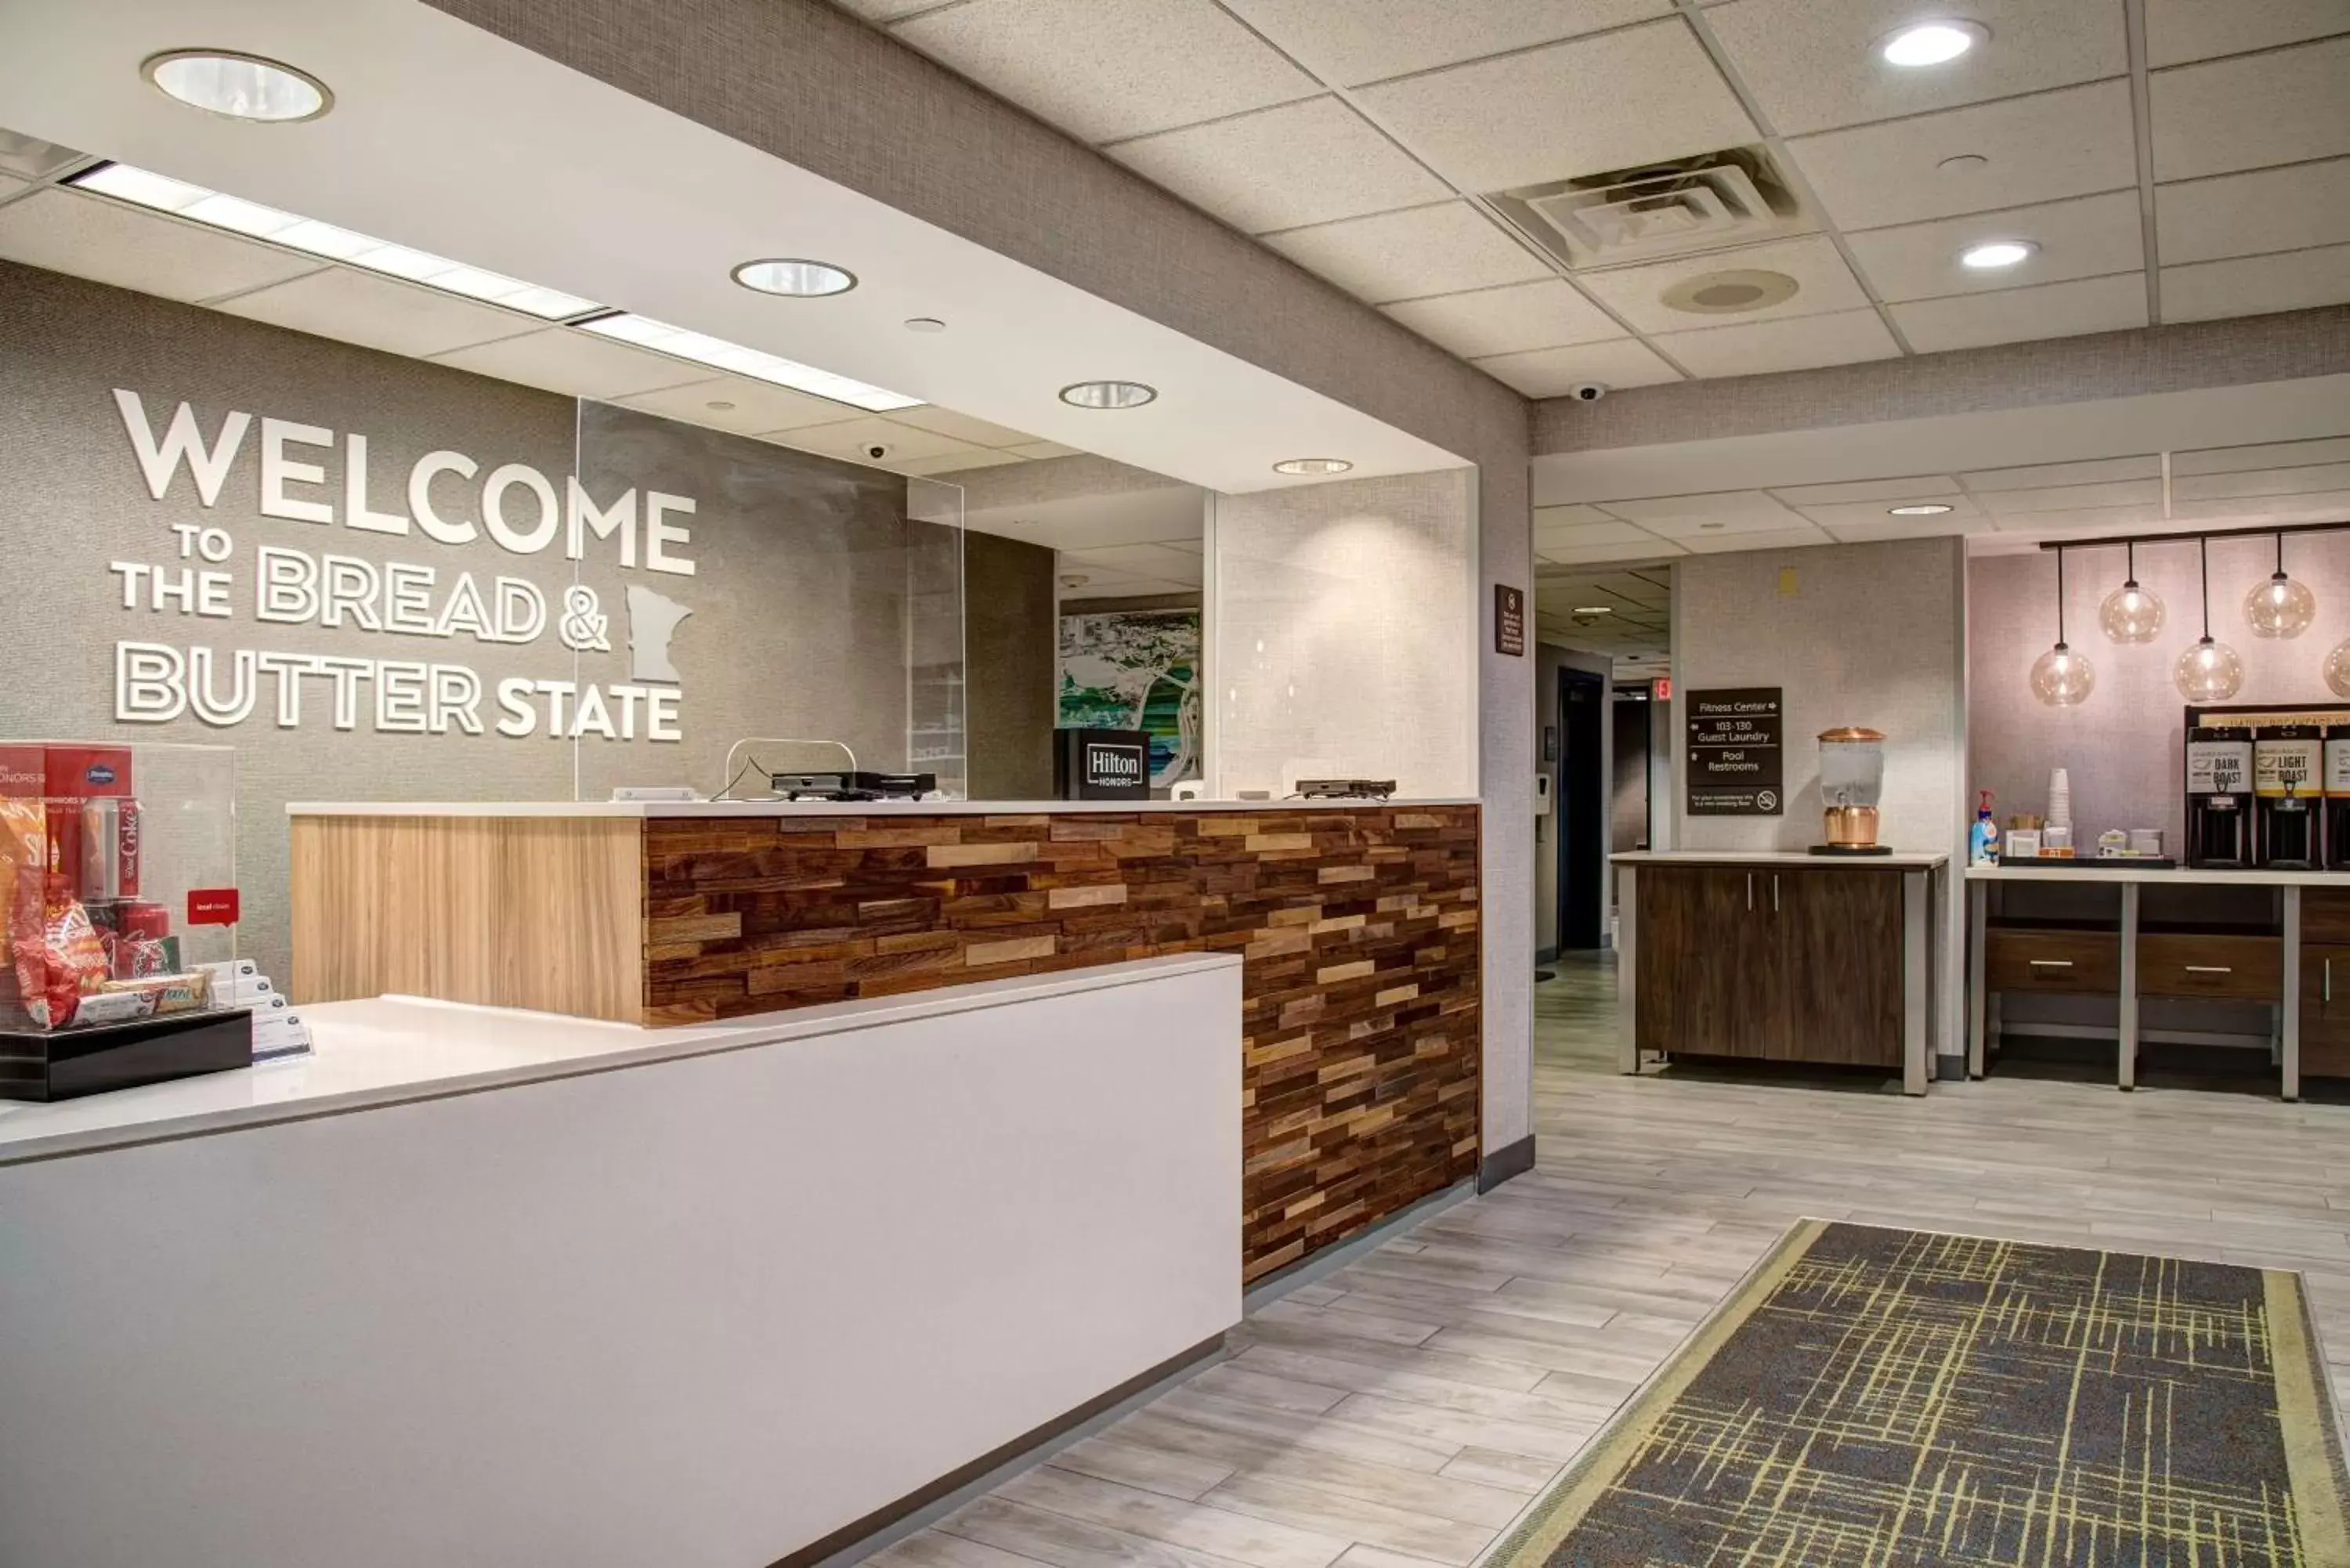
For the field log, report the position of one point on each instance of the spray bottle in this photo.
(1982, 841)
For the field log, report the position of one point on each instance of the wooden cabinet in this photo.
(2236, 967)
(2064, 961)
(1779, 963)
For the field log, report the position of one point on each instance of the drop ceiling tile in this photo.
(755, 407)
(375, 313)
(1814, 64)
(11, 187)
(1822, 284)
(2020, 314)
(1107, 72)
(1412, 255)
(1567, 516)
(1875, 519)
(2042, 475)
(1510, 319)
(2177, 30)
(2074, 141)
(1910, 528)
(951, 462)
(2246, 215)
(2072, 497)
(1721, 511)
(2278, 455)
(1146, 561)
(2314, 506)
(1801, 534)
(100, 239)
(560, 360)
(1607, 102)
(1651, 549)
(1800, 343)
(1039, 449)
(2254, 285)
(32, 158)
(1574, 536)
(1284, 168)
(2323, 477)
(2090, 237)
(962, 427)
(849, 439)
(1551, 372)
(1920, 487)
(2252, 110)
(2089, 520)
(1363, 41)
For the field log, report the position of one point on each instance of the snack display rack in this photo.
(118, 886)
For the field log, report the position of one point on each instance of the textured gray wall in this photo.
(2123, 750)
(2014, 375)
(1010, 637)
(1872, 635)
(796, 600)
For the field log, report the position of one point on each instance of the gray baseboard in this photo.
(1511, 1159)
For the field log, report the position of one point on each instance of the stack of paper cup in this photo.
(2060, 799)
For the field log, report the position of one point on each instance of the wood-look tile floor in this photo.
(1405, 1409)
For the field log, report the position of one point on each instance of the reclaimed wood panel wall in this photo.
(1357, 929)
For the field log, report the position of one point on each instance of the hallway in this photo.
(1410, 1406)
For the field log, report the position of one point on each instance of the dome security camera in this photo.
(1587, 392)
(878, 451)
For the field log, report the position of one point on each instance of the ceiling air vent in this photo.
(1711, 201)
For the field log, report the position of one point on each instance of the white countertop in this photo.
(1894, 862)
(2123, 871)
(823, 807)
(396, 1049)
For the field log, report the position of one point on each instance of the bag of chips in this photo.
(66, 956)
(24, 878)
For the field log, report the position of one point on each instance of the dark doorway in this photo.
(1583, 788)
(1627, 814)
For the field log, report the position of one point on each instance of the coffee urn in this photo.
(2288, 763)
(2337, 796)
(2219, 797)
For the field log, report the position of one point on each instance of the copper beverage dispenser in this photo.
(1852, 778)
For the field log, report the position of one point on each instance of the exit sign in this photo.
(1664, 689)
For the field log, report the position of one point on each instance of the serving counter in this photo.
(479, 1286)
(1358, 926)
(2271, 939)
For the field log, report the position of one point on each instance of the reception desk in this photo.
(1358, 926)
(474, 1287)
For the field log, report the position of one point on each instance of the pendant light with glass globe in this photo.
(2280, 607)
(2130, 614)
(2061, 677)
(2210, 672)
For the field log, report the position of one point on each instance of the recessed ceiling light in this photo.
(1313, 465)
(1107, 394)
(925, 323)
(794, 278)
(1932, 43)
(1963, 163)
(1996, 255)
(238, 86)
(1074, 579)
(720, 404)
(1710, 528)
(1728, 293)
(1920, 509)
(1593, 610)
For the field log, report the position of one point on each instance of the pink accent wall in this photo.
(2124, 747)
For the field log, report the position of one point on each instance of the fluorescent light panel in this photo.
(238, 216)
(718, 354)
(214, 209)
